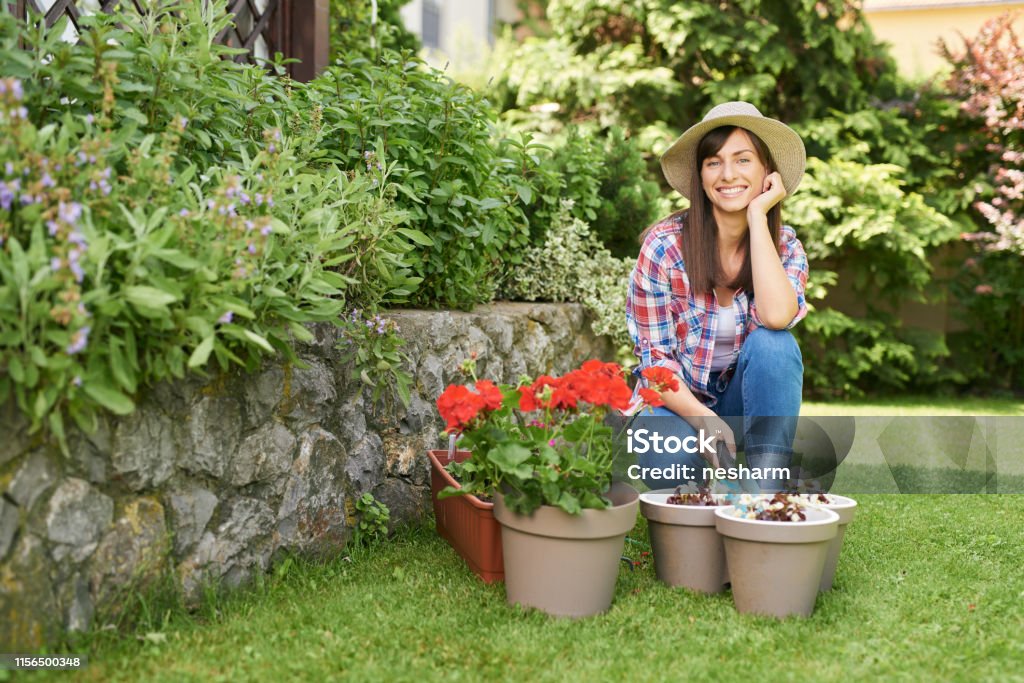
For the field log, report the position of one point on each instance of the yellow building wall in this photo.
(914, 34)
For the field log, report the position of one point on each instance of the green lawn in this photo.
(928, 588)
(918, 405)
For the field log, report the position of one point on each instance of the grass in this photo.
(917, 405)
(928, 587)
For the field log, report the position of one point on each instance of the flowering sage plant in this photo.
(543, 442)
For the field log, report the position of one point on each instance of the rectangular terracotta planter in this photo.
(466, 522)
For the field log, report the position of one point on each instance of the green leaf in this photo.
(508, 457)
(108, 397)
(257, 340)
(142, 296)
(201, 354)
(416, 236)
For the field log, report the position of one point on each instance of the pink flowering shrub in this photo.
(988, 76)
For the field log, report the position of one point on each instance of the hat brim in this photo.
(679, 162)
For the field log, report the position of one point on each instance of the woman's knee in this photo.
(775, 344)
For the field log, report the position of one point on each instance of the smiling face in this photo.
(732, 175)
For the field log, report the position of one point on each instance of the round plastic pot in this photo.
(846, 508)
(562, 564)
(688, 550)
(776, 567)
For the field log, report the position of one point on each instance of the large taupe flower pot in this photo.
(562, 564)
(775, 567)
(688, 550)
(846, 508)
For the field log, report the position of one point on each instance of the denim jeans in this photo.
(761, 404)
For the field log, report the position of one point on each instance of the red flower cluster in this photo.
(459, 405)
(595, 383)
(659, 379)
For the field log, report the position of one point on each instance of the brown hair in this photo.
(699, 235)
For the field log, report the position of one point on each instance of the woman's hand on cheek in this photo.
(772, 192)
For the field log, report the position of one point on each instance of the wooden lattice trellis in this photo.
(295, 28)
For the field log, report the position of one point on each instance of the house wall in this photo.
(913, 34)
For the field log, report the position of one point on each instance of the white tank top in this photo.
(725, 337)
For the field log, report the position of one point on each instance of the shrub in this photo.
(573, 265)
(462, 188)
(635, 63)
(857, 219)
(989, 77)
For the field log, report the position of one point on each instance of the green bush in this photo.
(573, 265)
(135, 245)
(857, 219)
(636, 63)
(461, 187)
(352, 30)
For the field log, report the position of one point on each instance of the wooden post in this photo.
(307, 24)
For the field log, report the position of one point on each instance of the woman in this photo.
(713, 293)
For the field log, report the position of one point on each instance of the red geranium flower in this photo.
(661, 378)
(490, 393)
(459, 406)
(651, 397)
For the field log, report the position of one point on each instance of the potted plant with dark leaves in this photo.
(542, 449)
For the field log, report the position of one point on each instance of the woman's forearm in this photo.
(776, 300)
(683, 403)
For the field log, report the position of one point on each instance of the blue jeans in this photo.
(760, 403)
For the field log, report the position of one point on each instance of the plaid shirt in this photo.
(674, 328)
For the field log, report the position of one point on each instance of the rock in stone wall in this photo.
(208, 479)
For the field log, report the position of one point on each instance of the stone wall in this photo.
(210, 479)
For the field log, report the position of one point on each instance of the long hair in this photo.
(699, 235)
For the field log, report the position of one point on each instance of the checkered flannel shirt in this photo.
(674, 328)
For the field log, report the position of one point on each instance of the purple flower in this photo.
(226, 318)
(47, 181)
(266, 230)
(183, 213)
(7, 194)
(89, 118)
(69, 212)
(16, 89)
(77, 381)
(55, 264)
(76, 237)
(270, 200)
(249, 225)
(9, 168)
(258, 199)
(251, 248)
(52, 227)
(79, 340)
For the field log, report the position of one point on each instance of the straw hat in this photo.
(786, 147)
